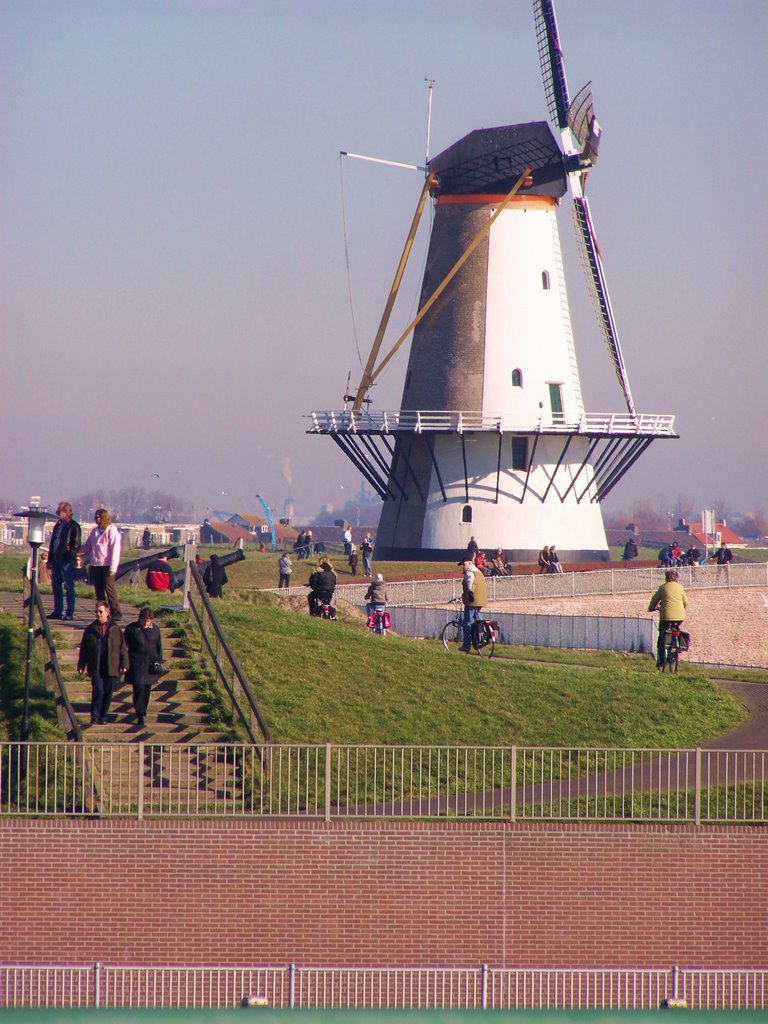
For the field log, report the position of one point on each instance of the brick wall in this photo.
(383, 894)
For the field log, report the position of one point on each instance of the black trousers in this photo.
(102, 688)
(141, 698)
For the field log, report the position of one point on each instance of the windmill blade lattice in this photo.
(552, 63)
(593, 268)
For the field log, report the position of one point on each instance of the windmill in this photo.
(492, 439)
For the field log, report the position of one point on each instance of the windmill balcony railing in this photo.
(417, 421)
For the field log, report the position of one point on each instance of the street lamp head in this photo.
(36, 517)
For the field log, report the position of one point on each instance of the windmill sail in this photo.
(552, 63)
(593, 268)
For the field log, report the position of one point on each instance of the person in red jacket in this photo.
(160, 575)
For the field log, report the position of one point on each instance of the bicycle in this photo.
(675, 640)
(379, 621)
(483, 634)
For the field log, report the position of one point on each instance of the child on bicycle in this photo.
(672, 602)
(376, 595)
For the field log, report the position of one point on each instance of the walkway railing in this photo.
(343, 782)
(412, 593)
(417, 421)
(464, 988)
(214, 647)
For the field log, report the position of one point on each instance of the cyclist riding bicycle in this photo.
(672, 601)
(376, 595)
(322, 584)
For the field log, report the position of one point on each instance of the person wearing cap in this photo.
(376, 595)
(474, 596)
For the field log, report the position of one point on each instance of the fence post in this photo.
(97, 968)
(513, 783)
(291, 986)
(327, 781)
(697, 790)
(140, 781)
(484, 986)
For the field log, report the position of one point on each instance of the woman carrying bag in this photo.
(145, 659)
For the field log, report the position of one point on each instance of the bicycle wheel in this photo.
(483, 641)
(486, 651)
(672, 656)
(452, 635)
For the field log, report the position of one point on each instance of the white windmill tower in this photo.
(492, 438)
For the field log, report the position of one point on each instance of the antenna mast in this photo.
(430, 86)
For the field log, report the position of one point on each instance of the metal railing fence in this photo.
(419, 421)
(338, 782)
(528, 586)
(215, 650)
(633, 634)
(291, 986)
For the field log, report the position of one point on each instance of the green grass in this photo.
(318, 681)
(43, 721)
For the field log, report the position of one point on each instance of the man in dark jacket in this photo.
(214, 577)
(103, 655)
(322, 584)
(145, 654)
(62, 552)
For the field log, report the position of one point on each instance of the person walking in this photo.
(723, 556)
(62, 555)
(366, 550)
(214, 577)
(145, 659)
(104, 656)
(284, 568)
(672, 602)
(474, 596)
(102, 549)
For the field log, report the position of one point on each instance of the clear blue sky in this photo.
(173, 284)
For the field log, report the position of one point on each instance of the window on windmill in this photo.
(519, 453)
(545, 280)
(556, 402)
(466, 514)
(517, 378)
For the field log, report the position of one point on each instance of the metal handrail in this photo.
(461, 420)
(52, 664)
(262, 734)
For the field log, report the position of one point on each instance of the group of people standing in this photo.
(101, 550)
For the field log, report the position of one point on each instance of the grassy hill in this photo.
(319, 681)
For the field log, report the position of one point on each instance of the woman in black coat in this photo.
(145, 653)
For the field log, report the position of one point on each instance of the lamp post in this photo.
(36, 518)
